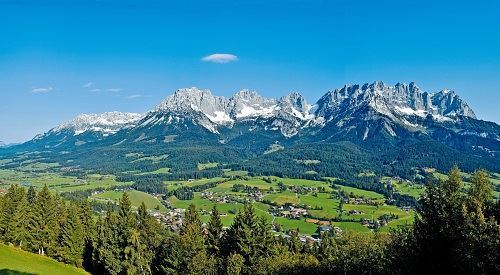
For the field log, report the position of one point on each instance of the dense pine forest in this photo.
(456, 230)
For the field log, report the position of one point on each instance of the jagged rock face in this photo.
(400, 99)
(106, 123)
(354, 112)
(284, 114)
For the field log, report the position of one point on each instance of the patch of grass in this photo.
(274, 148)
(136, 198)
(361, 193)
(414, 190)
(229, 173)
(58, 182)
(308, 161)
(176, 184)
(303, 182)
(134, 155)
(283, 197)
(303, 226)
(164, 170)
(373, 212)
(153, 159)
(366, 174)
(169, 138)
(208, 165)
(37, 166)
(329, 207)
(15, 261)
(352, 227)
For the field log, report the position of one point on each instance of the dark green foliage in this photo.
(152, 186)
(13, 226)
(71, 240)
(214, 232)
(454, 232)
(187, 193)
(44, 222)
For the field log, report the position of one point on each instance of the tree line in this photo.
(456, 231)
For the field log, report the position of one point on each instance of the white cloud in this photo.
(95, 90)
(220, 58)
(41, 90)
(114, 89)
(134, 96)
(88, 85)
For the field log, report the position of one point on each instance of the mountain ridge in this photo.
(292, 111)
(376, 118)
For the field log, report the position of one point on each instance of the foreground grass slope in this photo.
(15, 261)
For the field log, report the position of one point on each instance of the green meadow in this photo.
(16, 261)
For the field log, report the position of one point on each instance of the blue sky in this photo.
(136, 52)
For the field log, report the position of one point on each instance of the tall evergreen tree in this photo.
(71, 240)
(43, 222)
(149, 232)
(135, 259)
(12, 201)
(214, 232)
(243, 236)
(31, 195)
(89, 232)
(191, 218)
(108, 248)
(20, 233)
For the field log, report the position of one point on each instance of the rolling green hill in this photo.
(15, 261)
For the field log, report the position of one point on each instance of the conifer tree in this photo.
(125, 223)
(12, 200)
(20, 234)
(149, 231)
(43, 222)
(89, 231)
(71, 240)
(241, 237)
(191, 218)
(214, 232)
(188, 255)
(108, 250)
(235, 263)
(135, 260)
(31, 195)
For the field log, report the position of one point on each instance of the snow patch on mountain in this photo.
(105, 123)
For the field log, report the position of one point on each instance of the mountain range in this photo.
(374, 122)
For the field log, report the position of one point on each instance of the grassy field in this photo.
(136, 198)
(361, 193)
(15, 261)
(164, 170)
(56, 181)
(373, 212)
(230, 173)
(274, 148)
(208, 165)
(138, 157)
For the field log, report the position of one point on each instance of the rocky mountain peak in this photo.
(106, 123)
